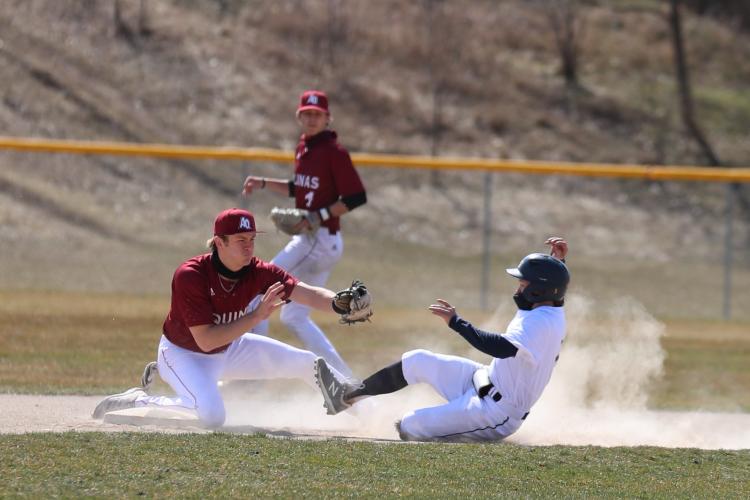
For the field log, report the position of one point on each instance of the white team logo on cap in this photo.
(312, 99)
(245, 224)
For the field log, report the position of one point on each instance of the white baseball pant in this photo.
(194, 376)
(465, 416)
(310, 258)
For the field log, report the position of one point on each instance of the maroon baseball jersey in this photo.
(199, 298)
(323, 172)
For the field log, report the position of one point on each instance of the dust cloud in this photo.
(294, 408)
(597, 396)
(599, 390)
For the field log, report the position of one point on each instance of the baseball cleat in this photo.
(120, 401)
(333, 389)
(149, 374)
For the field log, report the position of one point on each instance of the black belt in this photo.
(485, 389)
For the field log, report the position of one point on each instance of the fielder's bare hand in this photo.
(559, 247)
(252, 182)
(271, 300)
(443, 310)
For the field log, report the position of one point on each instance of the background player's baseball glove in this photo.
(354, 304)
(291, 220)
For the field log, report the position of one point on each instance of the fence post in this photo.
(728, 239)
(487, 223)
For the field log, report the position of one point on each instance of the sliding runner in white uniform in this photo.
(484, 402)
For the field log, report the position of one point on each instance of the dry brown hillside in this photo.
(229, 73)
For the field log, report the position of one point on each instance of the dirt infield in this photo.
(303, 418)
(32, 413)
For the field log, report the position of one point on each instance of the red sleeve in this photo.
(345, 176)
(270, 273)
(190, 297)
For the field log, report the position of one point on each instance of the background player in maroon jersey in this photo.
(326, 183)
(204, 335)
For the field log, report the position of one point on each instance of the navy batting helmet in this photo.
(548, 277)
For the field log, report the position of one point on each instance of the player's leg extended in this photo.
(313, 268)
(450, 376)
(466, 418)
(254, 357)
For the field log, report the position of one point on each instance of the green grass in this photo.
(705, 374)
(226, 465)
(87, 343)
(80, 343)
(75, 343)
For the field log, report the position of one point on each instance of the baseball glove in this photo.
(354, 304)
(291, 220)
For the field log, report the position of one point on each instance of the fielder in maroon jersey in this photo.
(205, 335)
(327, 185)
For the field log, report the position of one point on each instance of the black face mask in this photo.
(522, 302)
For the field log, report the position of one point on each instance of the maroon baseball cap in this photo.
(233, 221)
(313, 99)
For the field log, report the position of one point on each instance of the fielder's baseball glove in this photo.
(354, 304)
(290, 220)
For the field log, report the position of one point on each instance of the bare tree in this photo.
(683, 85)
(566, 22)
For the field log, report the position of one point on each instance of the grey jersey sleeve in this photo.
(493, 344)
